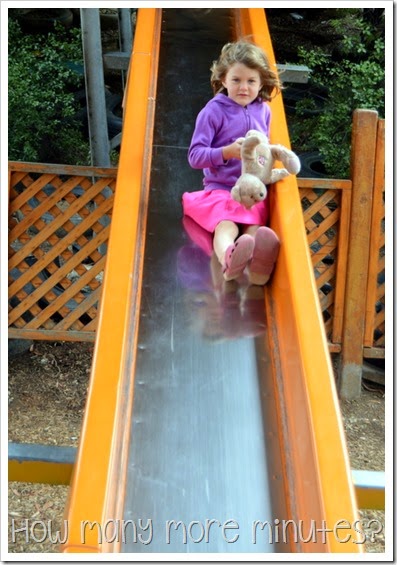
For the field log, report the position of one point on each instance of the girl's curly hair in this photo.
(251, 56)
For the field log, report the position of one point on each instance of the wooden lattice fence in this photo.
(346, 236)
(326, 212)
(59, 221)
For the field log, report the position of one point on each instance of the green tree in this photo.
(354, 75)
(42, 77)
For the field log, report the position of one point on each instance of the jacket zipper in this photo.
(247, 118)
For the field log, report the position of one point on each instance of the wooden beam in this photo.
(294, 73)
(365, 123)
(37, 463)
(370, 489)
(117, 60)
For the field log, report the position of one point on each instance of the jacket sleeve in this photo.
(201, 154)
(268, 117)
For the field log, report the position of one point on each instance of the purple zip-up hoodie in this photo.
(220, 123)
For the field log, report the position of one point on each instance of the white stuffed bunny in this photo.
(258, 157)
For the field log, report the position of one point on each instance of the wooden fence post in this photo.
(362, 176)
(375, 319)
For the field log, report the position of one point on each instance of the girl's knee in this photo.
(251, 230)
(227, 227)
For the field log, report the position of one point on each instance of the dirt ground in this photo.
(47, 391)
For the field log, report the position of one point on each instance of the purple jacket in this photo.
(219, 123)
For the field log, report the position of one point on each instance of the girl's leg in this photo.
(232, 254)
(251, 230)
(265, 254)
(224, 235)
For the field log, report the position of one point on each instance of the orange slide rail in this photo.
(97, 483)
(316, 468)
(313, 430)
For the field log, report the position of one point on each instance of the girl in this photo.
(241, 81)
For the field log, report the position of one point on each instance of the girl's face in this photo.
(242, 83)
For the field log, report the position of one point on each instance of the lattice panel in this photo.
(375, 319)
(379, 322)
(321, 211)
(58, 232)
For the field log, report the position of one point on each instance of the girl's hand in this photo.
(232, 151)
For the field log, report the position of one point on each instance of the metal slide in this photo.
(212, 422)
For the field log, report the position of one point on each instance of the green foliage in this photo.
(41, 104)
(354, 75)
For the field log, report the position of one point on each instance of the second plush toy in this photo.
(257, 158)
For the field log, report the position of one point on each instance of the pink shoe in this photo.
(237, 256)
(264, 256)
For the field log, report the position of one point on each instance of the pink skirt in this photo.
(209, 207)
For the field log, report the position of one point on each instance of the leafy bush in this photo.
(42, 77)
(354, 76)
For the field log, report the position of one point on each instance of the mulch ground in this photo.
(47, 392)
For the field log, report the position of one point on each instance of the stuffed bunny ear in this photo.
(255, 133)
(288, 158)
(293, 164)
